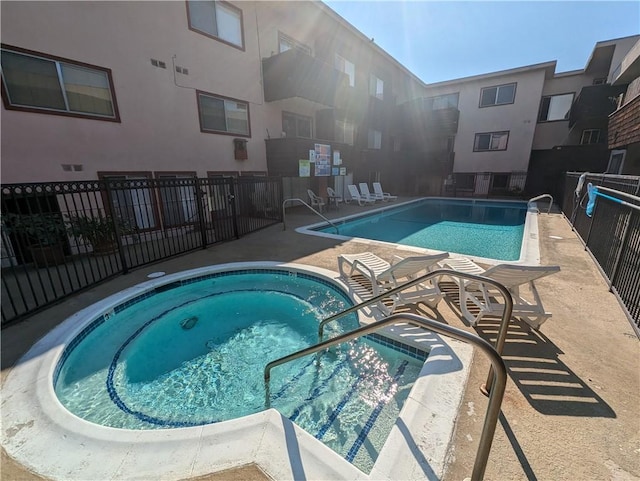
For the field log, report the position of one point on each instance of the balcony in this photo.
(595, 102)
(418, 118)
(295, 74)
(283, 154)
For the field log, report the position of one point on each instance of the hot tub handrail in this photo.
(284, 204)
(496, 392)
(543, 196)
(504, 322)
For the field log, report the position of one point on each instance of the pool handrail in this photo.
(284, 204)
(498, 384)
(543, 196)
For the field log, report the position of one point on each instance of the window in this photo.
(449, 101)
(294, 125)
(343, 65)
(133, 200)
(375, 139)
(555, 107)
(376, 87)
(287, 43)
(499, 95)
(590, 136)
(223, 115)
(499, 182)
(345, 132)
(215, 19)
(37, 82)
(616, 161)
(491, 141)
(178, 199)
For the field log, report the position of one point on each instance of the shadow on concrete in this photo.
(517, 449)
(533, 363)
(415, 450)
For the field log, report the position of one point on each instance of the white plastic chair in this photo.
(353, 192)
(316, 201)
(485, 298)
(334, 198)
(385, 276)
(379, 194)
(364, 192)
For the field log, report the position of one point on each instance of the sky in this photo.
(445, 40)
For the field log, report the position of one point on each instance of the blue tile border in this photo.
(111, 389)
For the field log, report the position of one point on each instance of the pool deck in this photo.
(571, 407)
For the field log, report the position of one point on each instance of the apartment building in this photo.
(624, 122)
(173, 89)
(215, 88)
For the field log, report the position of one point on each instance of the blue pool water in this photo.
(194, 352)
(472, 227)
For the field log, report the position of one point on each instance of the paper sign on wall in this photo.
(304, 168)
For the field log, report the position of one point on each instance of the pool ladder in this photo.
(496, 381)
(543, 196)
(296, 199)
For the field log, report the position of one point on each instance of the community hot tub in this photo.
(165, 380)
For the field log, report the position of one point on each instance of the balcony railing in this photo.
(595, 102)
(295, 74)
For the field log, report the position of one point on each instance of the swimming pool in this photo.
(493, 231)
(51, 441)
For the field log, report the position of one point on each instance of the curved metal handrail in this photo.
(497, 387)
(504, 322)
(284, 204)
(542, 196)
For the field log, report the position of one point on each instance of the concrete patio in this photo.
(571, 408)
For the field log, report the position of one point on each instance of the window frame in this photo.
(352, 80)
(132, 175)
(344, 123)
(6, 97)
(377, 79)
(590, 132)
(295, 44)
(298, 117)
(170, 174)
(573, 98)
(490, 140)
(219, 39)
(369, 137)
(497, 87)
(222, 132)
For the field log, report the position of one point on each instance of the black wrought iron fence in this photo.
(59, 238)
(612, 233)
(486, 184)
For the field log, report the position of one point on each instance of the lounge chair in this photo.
(364, 192)
(316, 201)
(486, 298)
(384, 276)
(334, 198)
(355, 195)
(378, 193)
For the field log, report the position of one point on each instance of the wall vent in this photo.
(158, 63)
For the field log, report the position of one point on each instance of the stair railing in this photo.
(496, 392)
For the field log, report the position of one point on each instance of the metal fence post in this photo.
(123, 260)
(623, 243)
(202, 195)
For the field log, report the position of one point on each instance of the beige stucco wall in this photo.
(159, 129)
(550, 134)
(518, 118)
